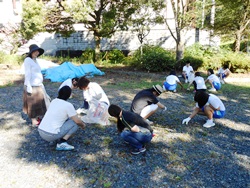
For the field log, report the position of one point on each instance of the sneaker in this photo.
(150, 122)
(212, 89)
(222, 81)
(81, 111)
(209, 124)
(174, 91)
(138, 151)
(64, 147)
(186, 81)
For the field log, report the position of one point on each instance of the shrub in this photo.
(88, 55)
(115, 56)
(154, 58)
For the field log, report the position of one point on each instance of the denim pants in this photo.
(136, 139)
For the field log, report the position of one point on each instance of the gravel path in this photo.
(179, 156)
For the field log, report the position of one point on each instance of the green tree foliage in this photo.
(233, 18)
(33, 21)
(102, 17)
(154, 59)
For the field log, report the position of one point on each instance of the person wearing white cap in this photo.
(145, 103)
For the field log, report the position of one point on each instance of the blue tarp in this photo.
(68, 70)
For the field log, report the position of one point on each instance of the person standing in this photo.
(132, 128)
(213, 80)
(60, 121)
(209, 105)
(171, 82)
(145, 102)
(186, 70)
(35, 98)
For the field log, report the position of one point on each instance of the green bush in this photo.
(14, 60)
(115, 56)
(154, 58)
(88, 55)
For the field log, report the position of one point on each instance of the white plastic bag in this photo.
(97, 113)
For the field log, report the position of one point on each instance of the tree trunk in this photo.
(97, 55)
(179, 45)
(179, 50)
(237, 41)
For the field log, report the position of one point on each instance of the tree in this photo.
(184, 17)
(144, 18)
(102, 17)
(33, 21)
(232, 18)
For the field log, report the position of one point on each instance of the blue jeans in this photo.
(136, 139)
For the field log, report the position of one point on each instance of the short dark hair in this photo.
(64, 93)
(76, 80)
(83, 82)
(197, 74)
(211, 71)
(114, 110)
(201, 97)
(172, 72)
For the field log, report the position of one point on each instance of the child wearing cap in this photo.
(145, 102)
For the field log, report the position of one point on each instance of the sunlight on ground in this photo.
(184, 137)
(243, 160)
(236, 126)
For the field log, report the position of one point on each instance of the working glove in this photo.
(185, 121)
(165, 108)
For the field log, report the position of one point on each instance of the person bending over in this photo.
(213, 80)
(171, 82)
(132, 128)
(145, 102)
(208, 105)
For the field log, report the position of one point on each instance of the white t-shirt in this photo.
(58, 112)
(213, 78)
(187, 69)
(200, 82)
(67, 82)
(95, 91)
(214, 101)
(172, 79)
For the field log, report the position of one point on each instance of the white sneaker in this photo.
(186, 81)
(212, 89)
(150, 122)
(64, 147)
(81, 111)
(209, 124)
(174, 91)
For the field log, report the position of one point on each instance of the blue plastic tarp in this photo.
(69, 70)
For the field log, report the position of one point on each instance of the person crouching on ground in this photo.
(208, 105)
(91, 91)
(60, 121)
(171, 82)
(213, 80)
(145, 102)
(198, 82)
(132, 128)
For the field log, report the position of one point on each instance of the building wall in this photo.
(83, 39)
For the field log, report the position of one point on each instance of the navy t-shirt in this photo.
(130, 119)
(143, 99)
